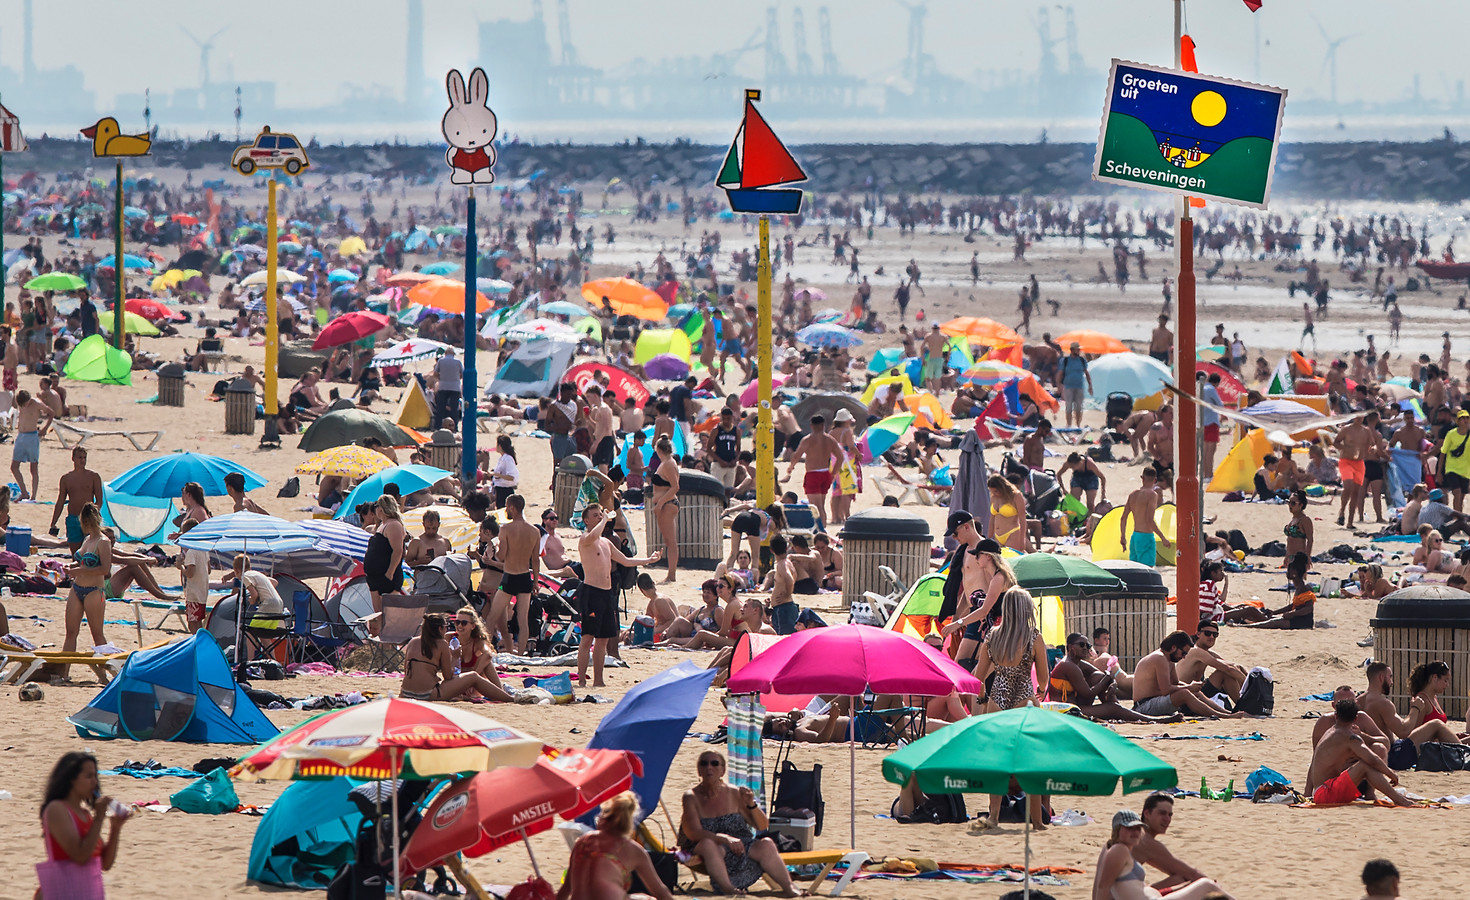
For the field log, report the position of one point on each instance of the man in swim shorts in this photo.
(520, 554)
(1141, 505)
(822, 455)
(1353, 442)
(935, 352)
(33, 418)
(76, 489)
(1342, 759)
(1157, 690)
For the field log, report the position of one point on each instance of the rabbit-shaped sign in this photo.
(469, 127)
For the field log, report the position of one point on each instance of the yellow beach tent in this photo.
(1107, 544)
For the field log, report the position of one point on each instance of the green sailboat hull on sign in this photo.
(756, 162)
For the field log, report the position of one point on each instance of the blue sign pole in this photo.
(470, 389)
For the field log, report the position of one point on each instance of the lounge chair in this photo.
(827, 859)
(83, 435)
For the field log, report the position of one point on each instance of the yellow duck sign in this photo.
(108, 140)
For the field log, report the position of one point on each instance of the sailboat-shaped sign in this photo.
(757, 161)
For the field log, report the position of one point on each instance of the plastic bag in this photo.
(211, 795)
(1264, 775)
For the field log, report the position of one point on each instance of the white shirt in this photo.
(505, 473)
(196, 586)
(269, 602)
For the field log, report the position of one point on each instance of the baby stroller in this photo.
(369, 876)
(446, 582)
(1042, 491)
(554, 620)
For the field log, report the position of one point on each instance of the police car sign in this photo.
(1190, 134)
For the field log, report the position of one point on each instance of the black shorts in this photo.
(605, 452)
(382, 584)
(1085, 481)
(1453, 481)
(1372, 470)
(599, 612)
(806, 586)
(517, 584)
(747, 523)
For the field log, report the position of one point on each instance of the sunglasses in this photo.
(464, 624)
(1209, 634)
(714, 763)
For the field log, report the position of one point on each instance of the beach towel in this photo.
(747, 765)
(1404, 470)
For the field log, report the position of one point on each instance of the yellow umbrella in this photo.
(348, 461)
(352, 246)
(134, 324)
(455, 525)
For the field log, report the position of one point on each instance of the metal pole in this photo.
(469, 389)
(1027, 819)
(118, 267)
(397, 872)
(531, 853)
(852, 710)
(1186, 414)
(272, 332)
(765, 455)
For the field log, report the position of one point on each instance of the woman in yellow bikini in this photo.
(1007, 514)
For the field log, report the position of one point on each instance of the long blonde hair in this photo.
(477, 630)
(1001, 566)
(618, 814)
(1017, 628)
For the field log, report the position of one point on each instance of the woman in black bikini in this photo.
(665, 481)
(428, 669)
(755, 525)
(1298, 531)
(382, 563)
(88, 575)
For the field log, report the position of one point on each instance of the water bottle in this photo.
(5, 593)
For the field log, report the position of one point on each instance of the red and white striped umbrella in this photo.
(390, 738)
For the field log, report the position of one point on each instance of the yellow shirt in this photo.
(1454, 441)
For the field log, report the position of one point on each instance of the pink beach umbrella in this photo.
(748, 396)
(853, 660)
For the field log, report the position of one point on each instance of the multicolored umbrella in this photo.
(346, 461)
(991, 372)
(826, 335)
(353, 326)
(980, 330)
(536, 328)
(409, 350)
(880, 437)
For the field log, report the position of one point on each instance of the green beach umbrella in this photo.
(55, 281)
(1056, 575)
(1046, 752)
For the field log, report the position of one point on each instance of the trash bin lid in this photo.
(703, 484)
(1424, 606)
(886, 522)
(1138, 579)
(172, 370)
(241, 386)
(576, 464)
(444, 438)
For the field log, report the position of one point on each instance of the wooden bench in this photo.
(82, 435)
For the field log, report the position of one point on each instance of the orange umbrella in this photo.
(979, 330)
(1094, 343)
(407, 279)
(626, 297)
(446, 294)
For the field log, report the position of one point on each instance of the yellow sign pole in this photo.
(765, 456)
(272, 328)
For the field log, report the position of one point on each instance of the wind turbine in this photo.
(1329, 61)
(204, 48)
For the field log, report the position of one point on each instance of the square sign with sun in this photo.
(1189, 134)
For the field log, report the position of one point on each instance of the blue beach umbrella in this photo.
(342, 276)
(165, 476)
(563, 308)
(827, 335)
(440, 268)
(129, 262)
(409, 478)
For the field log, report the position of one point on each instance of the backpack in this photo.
(1258, 697)
(935, 809)
(292, 487)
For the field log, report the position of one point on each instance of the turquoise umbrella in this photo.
(166, 475)
(341, 276)
(440, 268)
(129, 262)
(408, 478)
(884, 433)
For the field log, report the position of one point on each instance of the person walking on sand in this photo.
(1353, 442)
(822, 456)
(76, 489)
(33, 420)
(664, 480)
(1140, 506)
(597, 597)
(520, 555)
(1309, 328)
(73, 811)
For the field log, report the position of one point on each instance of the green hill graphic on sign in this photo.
(1239, 169)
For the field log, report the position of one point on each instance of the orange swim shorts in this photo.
(1351, 470)
(1341, 789)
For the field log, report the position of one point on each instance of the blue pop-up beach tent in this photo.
(652, 720)
(306, 836)
(180, 692)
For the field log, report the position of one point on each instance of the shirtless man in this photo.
(822, 456)
(33, 420)
(1033, 449)
(1229, 678)
(1161, 446)
(52, 396)
(1157, 690)
(1161, 342)
(1075, 680)
(805, 565)
(1365, 726)
(1406, 740)
(599, 600)
(935, 353)
(1353, 442)
(783, 608)
(1140, 506)
(520, 554)
(1158, 814)
(428, 546)
(604, 448)
(1137, 426)
(76, 489)
(235, 488)
(1409, 436)
(1342, 759)
(661, 608)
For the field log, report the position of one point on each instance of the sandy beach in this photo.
(1260, 851)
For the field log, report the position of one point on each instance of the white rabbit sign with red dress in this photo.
(469, 126)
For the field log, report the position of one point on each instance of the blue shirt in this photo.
(1208, 394)
(1074, 372)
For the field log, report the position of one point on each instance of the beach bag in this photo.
(211, 795)
(72, 881)
(1263, 776)
(559, 686)
(800, 790)
(1258, 697)
(1402, 755)
(940, 809)
(665, 865)
(861, 613)
(532, 889)
(1437, 757)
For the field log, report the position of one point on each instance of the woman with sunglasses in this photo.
(428, 668)
(719, 824)
(475, 654)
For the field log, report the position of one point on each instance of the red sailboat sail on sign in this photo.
(757, 161)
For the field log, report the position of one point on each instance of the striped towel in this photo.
(747, 761)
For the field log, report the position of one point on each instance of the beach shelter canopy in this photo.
(352, 426)
(651, 720)
(980, 330)
(901, 380)
(413, 409)
(1109, 543)
(166, 475)
(660, 341)
(96, 360)
(1134, 374)
(917, 614)
(534, 368)
(1093, 343)
(306, 836)
(928, 408)
(179, 692)
(140, 520)
(626, 297)
(1237, 471)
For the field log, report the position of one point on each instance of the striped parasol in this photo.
(348, 540)
(991, 372)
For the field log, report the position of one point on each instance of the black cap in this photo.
(956, 519)
(987, 545)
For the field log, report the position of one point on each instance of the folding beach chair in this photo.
(883, 729)
(400, 620)
(801, 518)
(315, 638)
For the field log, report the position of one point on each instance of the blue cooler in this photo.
(18, 540)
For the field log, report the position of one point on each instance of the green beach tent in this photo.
(96, 360)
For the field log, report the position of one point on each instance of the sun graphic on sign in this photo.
(1208, 108)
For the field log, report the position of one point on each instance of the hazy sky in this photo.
(317, 47)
